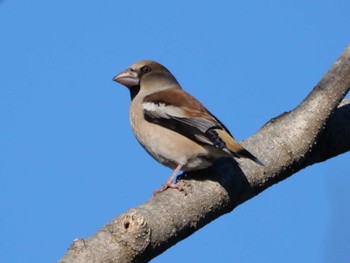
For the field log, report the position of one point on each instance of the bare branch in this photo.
(313, 132)
(335, 139)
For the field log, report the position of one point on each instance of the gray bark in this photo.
(317, 130)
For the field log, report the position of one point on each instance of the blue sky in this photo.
(69, 162)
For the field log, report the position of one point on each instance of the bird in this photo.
(172, 125)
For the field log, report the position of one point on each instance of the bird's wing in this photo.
(177, 110)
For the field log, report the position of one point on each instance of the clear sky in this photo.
(69, 162)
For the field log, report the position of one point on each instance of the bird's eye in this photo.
(145, 69)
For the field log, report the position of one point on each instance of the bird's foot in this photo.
(168, 185)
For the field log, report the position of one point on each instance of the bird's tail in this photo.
(235, 148)
(246, 154)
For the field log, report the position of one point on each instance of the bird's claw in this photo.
(166, 186)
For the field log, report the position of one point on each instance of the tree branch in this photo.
(313, 132)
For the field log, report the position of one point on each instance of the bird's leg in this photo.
(169, 183)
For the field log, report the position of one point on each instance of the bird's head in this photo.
(146, 75)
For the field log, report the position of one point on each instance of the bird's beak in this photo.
(128, 78)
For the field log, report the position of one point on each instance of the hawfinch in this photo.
(171, 125)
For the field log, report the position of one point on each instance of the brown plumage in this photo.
(173, 126)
